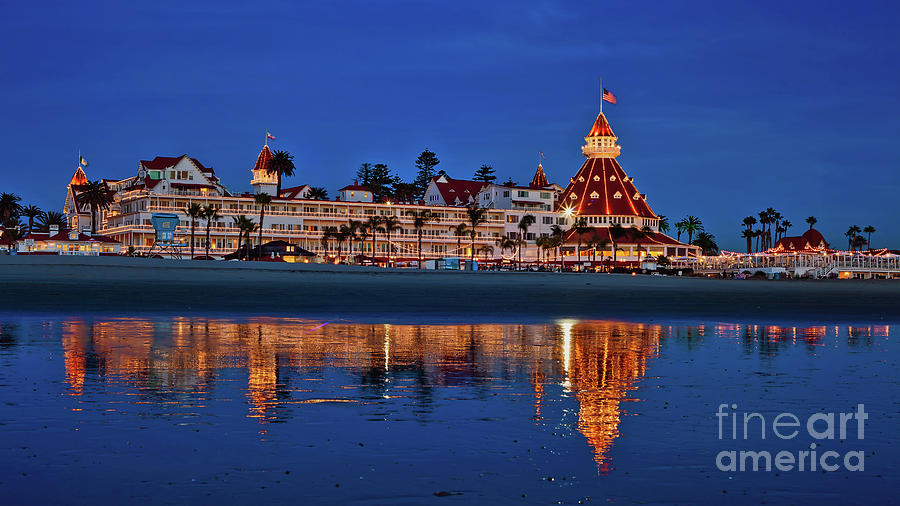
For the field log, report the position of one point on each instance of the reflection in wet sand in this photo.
(600, 363)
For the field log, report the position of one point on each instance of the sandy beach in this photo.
(135, 285)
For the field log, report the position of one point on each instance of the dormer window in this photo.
(572, 196)
(596, 178)
(637, 196)
(617, 195)
(612, 178)
(581, 179)
(595, 195)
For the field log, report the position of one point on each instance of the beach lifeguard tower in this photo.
(165, 240)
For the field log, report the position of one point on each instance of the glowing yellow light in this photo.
(568, 211)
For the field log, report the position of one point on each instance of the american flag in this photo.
(270, 136)
(609, 97)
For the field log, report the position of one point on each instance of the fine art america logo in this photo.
(820, 428)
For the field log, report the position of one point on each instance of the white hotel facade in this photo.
(171, 184)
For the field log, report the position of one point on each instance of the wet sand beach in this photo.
(135, 285)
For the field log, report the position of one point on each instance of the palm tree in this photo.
(558, 234)
(32, 212)
(663, 223)
(373, 225)
(281, 164)
(812, 221)
(748, 234)
(758, 233)
(639, 234)
(869, 230)
(476, 216)
(615, 232)
(525, 222)
(194, 211)
(487, 250)
(210, 213)
(707, 243)
(340, 236)
(390, 223)
(851, 233)
(9, 206)
(679, 228)
(353, 228)
(459, 231)
(749, 221)
(52, 218)
(242, 223)
(776, 218)
(580, 226)
(858, 242)
(597, 242)
(420, 219)
(785, 226)
(249, 228)
(96, 195)
(692, 224)
(12, 235)
(262, 200)
(327, 233)
(317, 193)
(507, 243)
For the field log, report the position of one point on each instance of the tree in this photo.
(211, 213)
(194, 212)
(507, 243)
(524, 223)
(748, 234)
(327, 233)
(317, 193)
(244, 225)
(390, 224)
(262, 200)
(364, 174)
(858, 242)
(785, 226)
(9, 206)
(373, 225)
(425, 163)
(679, 228)
(580, 226)
(663, 223)
(32, 212)
(459, 231)
(869, 230)
(558, 236)
(352, 228)
(380, 181)
(638, 235)
(485, 173)
(812, 221)
(420, 219)
(692, 224)
(13, 235)
(405, 192)
(748, 223)
(96, 195)
(851, 233)
(707, 243)
(340, 236)
(476, 216)
(597, 242)
(282, 165)
(52, 218)
(615, 232)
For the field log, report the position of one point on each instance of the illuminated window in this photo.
(617, 195)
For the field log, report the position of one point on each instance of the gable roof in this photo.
(601, 187)
(456, 192)
(79, 178)
(292, 192)
(165, 162)
(355, 187)
(812, 239)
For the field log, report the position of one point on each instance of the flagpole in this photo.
(601, 94)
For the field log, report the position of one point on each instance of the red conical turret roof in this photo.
(262, 161)
(79, 177)
(601, 128)
(540, 179)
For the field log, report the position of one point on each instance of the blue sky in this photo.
(725, 108)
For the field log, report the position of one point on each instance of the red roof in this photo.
(812, 239)
(165, 162)
(79, 178)
(262, 161)
(601, 187)
(354, 187)
(540, 179)
(456, 192)
(650, 239)
(292, 192)
(601, 127)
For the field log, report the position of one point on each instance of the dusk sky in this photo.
(725, 108)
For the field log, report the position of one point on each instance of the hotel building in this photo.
(600, 192)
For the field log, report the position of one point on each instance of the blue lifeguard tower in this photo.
(165, 241)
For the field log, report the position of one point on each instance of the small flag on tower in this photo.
(609, 97)
(270, 136)
(82, 161)
(542, 155)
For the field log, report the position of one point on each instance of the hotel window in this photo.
(523, 193)
(506, 194)
(547, 220)
(545, 195)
